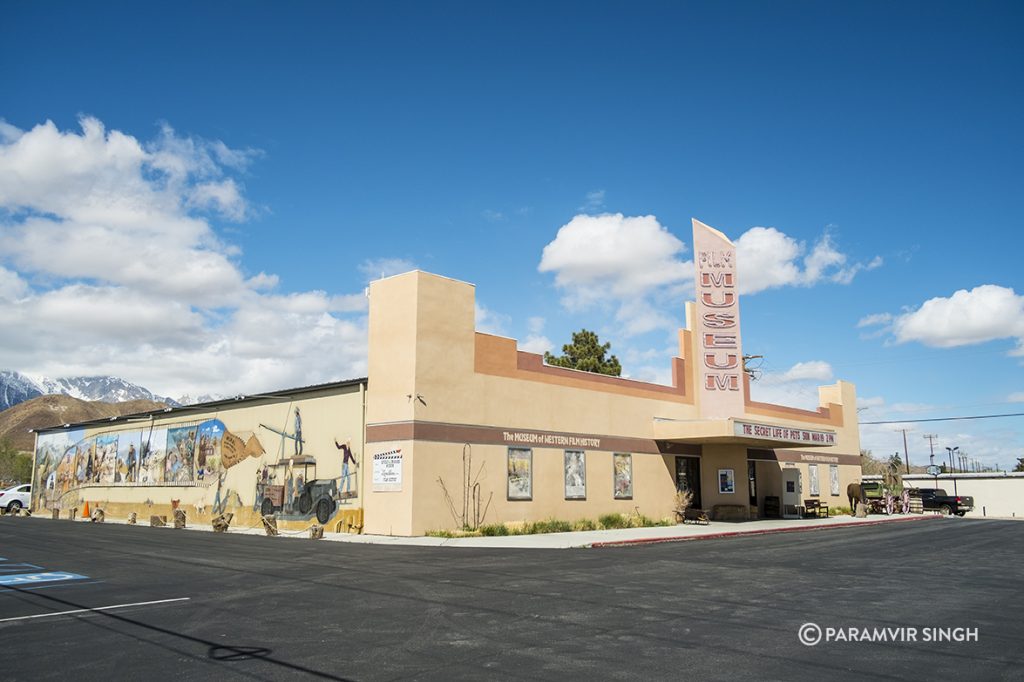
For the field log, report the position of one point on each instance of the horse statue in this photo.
(855, 493)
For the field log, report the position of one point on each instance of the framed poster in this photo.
(622, 467)
(814, 482)
(726, 481)
(520, 474)
(833, 478)
(575, 475)
(387, 471)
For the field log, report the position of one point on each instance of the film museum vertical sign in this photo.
(720, 357)
(387, 471)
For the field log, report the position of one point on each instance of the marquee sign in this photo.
(785, 433)
(720, 355)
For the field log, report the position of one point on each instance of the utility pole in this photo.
(906, 455)
(931, 444)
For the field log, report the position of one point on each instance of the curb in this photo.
(771, 531)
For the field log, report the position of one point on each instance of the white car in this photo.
(16, 497)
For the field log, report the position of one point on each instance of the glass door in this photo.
(688, 478)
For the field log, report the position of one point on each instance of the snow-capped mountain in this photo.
(189, 399)
(16, 387)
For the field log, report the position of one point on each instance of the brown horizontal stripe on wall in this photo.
(512, 437)
(801, 456)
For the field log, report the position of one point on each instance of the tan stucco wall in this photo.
(425, 367)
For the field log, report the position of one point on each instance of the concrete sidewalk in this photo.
(631, 536)
(593, 538)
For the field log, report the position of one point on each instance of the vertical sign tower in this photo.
(719, 357)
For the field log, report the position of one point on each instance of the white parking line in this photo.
(98, 608)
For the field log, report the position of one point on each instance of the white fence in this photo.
(998, 494)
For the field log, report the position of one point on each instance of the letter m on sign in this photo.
(722, 382)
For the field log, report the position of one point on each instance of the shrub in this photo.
(440, 534)
(585, 524)
(494, 529)
(613, 521)
(551, 526)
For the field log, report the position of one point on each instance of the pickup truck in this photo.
(936, 499)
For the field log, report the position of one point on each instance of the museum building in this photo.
(455, 427)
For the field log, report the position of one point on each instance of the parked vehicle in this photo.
(936, 499)
(16, 497)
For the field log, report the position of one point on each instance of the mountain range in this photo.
(16, 387)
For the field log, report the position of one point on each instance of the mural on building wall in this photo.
(520, 474)
(833, 478)
(208, 451)
(181, 452)
(52, 451)
(623, 467)
(105, 458)
(128, 447)
(575, 465)
(726, 481)
(153, 457)
(201, 454)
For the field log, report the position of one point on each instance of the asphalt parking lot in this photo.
(190, 605)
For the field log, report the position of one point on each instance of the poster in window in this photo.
(726, 481)
(575, 475)
(833, 478)
(623, 467)
(812, 473)
(520, 474)
(387, 471)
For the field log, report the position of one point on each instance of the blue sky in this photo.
(218, 182)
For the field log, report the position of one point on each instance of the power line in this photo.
(947, 419)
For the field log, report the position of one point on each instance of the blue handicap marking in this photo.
(32, 578)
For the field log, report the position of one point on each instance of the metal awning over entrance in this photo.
(741, 432)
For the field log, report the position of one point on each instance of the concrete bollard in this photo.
(132, 518)
(270, 525)
(862, 511)
(157, 521)
(221, 522)
(98, 516)
(316, 532)
(179, 518)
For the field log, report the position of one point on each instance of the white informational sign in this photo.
(387, 471)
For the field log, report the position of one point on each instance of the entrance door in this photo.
(792, 489)
(688, 478)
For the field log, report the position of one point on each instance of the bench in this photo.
(815, 509)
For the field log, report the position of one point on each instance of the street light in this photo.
(953, 451)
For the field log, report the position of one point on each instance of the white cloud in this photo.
(490, 322)
(110, 264)
(874, 320)
(985, 313)
(813, 370)
(492, 216)
(611, 255)
(1016, 397)
(768, 258)
(594, 202)
(379, 268)
(535, 343)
